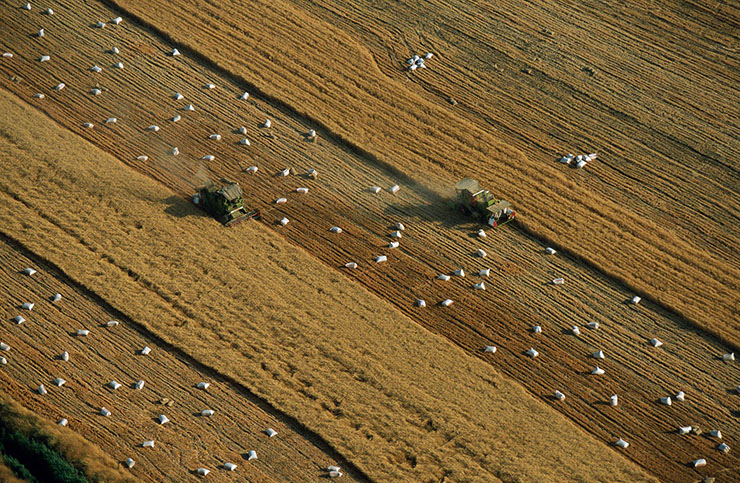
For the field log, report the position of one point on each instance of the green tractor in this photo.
(224, 202)
(473, 200)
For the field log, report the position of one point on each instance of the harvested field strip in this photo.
(396, 400)
(328, 76)
(188, 441)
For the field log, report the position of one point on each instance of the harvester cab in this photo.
(474, 200)
(224, 202)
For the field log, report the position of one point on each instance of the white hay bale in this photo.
(267, 124)
(375, 189)
(684, 429)
(559, 396)
(446, 303)
(680, 396)
(252, 455)
(245, 142)
(482, 253)
(715, 433)
(270, 432)
(57, 297)
(175, 151)
(284, 221)
(730, 356)
(49, 11)
(597, 371)
(19, 319)
(129, 463)
(394, 189)
(176, 118)
(655, 342)
(175, 53)
(590, 157)
(412, 67)
(215, 137)
(459, 273)
(532, 353)
(96, 68)
(29, 271)
(39, 95)
(575, 330)
(27, 6)
(558, 281)
(580, 164)
(118, 65)
(482, 233)
(178, 96)
(490, 349)
(189, 108)
(100, 25)
(114, 50)
(285, 172)
(312, 173)
(208, 157)
(42, 390)
(479, 286)
(7, 55)
(443, 277)
(621, 443)
(666, 400)
(145, 351)
(614, 400)
(302, 191)
(486, 272)
(400, 227)
(207, 413)
(229, 466)
(242, 130)
(598, 355)
(111, 323)
(139, 385)
(4, 347)
(148, 444)
(421, 303)
(114, 385)
(593, 325)
(381, 259)
(429, 55)
(163, 419)
(635, 300)
(244, 96)
(550, 251)
(393, 244)
(117, 20)
(88, 125)
(699, 462)
(28, 306)
(3, 361)
(153, 128)
(723, 447)
(252, 169)
(95, 91)
(350, 265)
(111, 120)
(83, 332)
(396, 234)
(335, 229)
(537, 329)
(59, 382)
(203, 385)
(335, 474)
(60, 86)
(105, 412)
(209, 86)
(40, 33)
(65, 356)
(45, 58)
(63, 422)
(333, 468)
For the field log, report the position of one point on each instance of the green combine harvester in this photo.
(224, 202)
(474, 200)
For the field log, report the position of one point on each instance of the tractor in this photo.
(224, 202)
(475, 201)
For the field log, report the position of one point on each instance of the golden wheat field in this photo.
(343, 363)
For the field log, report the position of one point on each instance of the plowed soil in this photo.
(436, 240)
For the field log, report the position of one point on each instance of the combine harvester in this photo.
(224, 202)
(473, 200)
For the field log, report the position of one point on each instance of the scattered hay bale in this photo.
(666, 400)
(350, 265)
(443, 277)
(64, 356)
(393, 244)
(558, 281)
(209, 86)
(174, 53)
(281, 200)
(730, 356)
(114, 385)
(715, 433)
(270, 432)
(42, 390)
(684, 430)
(446, 302)
(163, 419)
(27, 306)
(252, 455)
(621, 443)
(593, 325)
(189, 108)
(532, 353)
(490, 349)
(117, 20)
(486, 272)
(244, 96)
(598, 355)
(145, 351)
(284, 221)
(482, 253)
(537, 329)
(129, 463)
(550, 251)
(559, 396)
(394, 189)
(575, 330)
(82, 332)
(421, 303)
(723, 447)
(267, 124)
(614, 400)
(19, 319)
(207, 413)
(118, 65)
(381, 259)
(139, 385)
(699, 462)
(680, 396)
(176, 118)
(111, 323)
(203, 385)
(4, 347)
(459, 273)
(335, 229)
(45, 58)
(229, 466)
(63, 422)
(29, 271)
(479, 286)
(57, 297)
(655, 342)
(635, 300)
(105, 412)
(148, 444)
(598, 371)
(59, 382)
(302, 191)
(100, 25)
